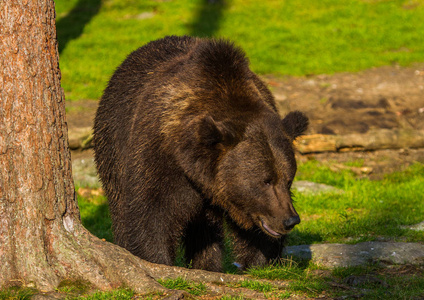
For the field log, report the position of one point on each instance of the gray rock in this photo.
(417, 227)
(84, 172)
(145, 15)
(308, 187)
(80, 137)
(358, 280)
(341, 255)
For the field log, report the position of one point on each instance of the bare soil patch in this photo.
(386, 97)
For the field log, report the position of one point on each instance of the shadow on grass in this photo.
(297, 237)
(96, 219)
(208, 18)
(303, 240)
(72, 25)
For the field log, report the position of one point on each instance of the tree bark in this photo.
(41, 238)
(36, 183)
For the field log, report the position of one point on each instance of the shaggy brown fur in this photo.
(186, 135)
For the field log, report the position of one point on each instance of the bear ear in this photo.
(295, 124)
(211, 132)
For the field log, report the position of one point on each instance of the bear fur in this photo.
(186, 135)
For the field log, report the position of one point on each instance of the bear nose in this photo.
(291, 222)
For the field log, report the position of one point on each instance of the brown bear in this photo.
(186, 135)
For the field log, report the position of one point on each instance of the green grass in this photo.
(196, 289)
(397, 282)
(17, 293)
(285, 269)
(267, 288)
(367, 210)
(297, 273)
(392, 283)
(119, 294)
(289, 37)
(257, 286)
(302, 279)
(73, 287)
(95, 215)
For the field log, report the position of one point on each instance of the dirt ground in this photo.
(390, 97)
(386, 97)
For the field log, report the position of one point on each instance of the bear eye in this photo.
(268, 181)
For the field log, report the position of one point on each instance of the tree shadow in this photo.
(208, 18)
(297, 237)
(72, 25)
(99, 222)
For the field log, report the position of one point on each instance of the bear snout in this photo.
(276, 228)
(291, 222)
(269, 230)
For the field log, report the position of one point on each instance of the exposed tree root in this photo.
(235, 292)
(71, 252)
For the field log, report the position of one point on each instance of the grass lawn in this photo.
(367, 210)
(289, 37)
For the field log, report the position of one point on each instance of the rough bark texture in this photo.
(41, 238)
(34, 159)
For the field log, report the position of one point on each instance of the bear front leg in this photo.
(203, 241)
(154, 242)
(253, 247)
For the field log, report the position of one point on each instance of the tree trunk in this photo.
(42, 241)
(41, 238)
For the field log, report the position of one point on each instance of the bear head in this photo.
(254, 172)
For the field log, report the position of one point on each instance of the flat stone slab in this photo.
(84, 172)
(342, 255)
(80, 137)
(416, 227)
(313, 188)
